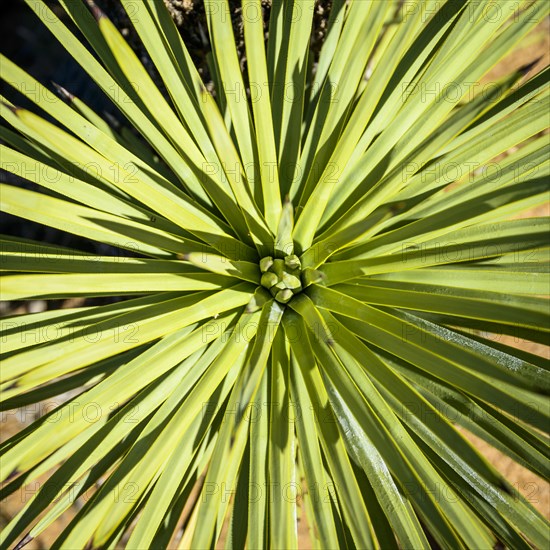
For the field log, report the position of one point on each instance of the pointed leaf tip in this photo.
(23, 542)
(13, 474)
(114, 123)
(96, 11)
(524, 69)
(63, 92)
(12, 108)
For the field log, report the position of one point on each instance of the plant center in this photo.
(281, 277)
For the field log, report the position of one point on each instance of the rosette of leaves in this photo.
(202, 409)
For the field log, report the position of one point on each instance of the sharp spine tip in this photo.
(524, 69)
(12, 108)
(63, 91)
(504, 486)
(23, 542)
(96, 11)
(13, 474)
(112, 120)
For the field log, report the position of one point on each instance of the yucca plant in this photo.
(309, 307)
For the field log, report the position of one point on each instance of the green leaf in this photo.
(491, 306)
(347, 492)
(464, 245)
(472, 369)
(364, 155)
(284, 486)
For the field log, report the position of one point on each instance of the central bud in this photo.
(281, 277)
